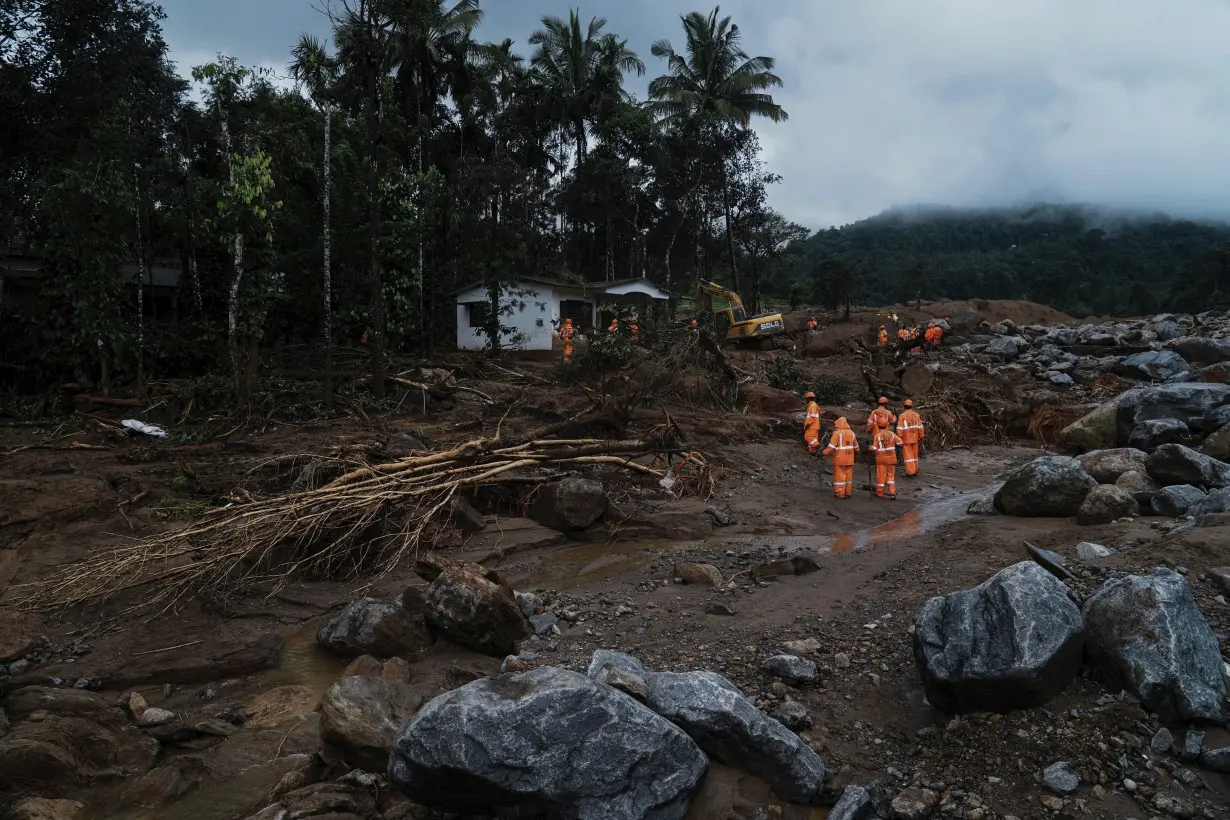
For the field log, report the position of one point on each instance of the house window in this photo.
(479, 313)
(581, 313)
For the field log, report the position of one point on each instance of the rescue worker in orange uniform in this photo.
(811, 424)
(614, 326)
(884, 443)
(842, 446)
(565, 334)
(693, 323)
(811, 325)
(910, 429)
(881, 412)
(883, 335)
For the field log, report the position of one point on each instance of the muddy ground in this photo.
(69, 489)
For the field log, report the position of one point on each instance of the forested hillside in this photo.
(1078, 259)
(411, 158)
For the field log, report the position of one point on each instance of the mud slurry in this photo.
(878, 562)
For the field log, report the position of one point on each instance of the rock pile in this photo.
(1166, 348)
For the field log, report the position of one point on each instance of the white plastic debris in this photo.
(142, 427)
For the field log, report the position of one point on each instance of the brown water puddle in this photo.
(577, 566)
(220, 801)
(304, 663)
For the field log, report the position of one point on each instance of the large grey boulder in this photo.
(1139, 485)
(1104, 504)
(1201, 350)
(471, 607)
(370, 626)
(1107, 465)
(1007, 347)
(1167, 330)
(1183, 401)
(732, 730)
(1053, 486)
(571, 504)
(1158, 365)
(1149, 435)
(1217, 501)
(1176, 500)
(1218, 445)
(548, 740)
(1177, 464)
(1096, 430)
(854, 804)
(1213, 420)
(1012, 642)
(1148, 633)
(360, 715)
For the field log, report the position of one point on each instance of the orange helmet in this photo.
(809, 395)
(909, 403)
(882, 400)
(883, 422)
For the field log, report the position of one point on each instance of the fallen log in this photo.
(367, 522)
(107, 400)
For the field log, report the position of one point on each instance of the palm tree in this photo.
(363, 34)
(432, 49)
(314, 70)
(583, 72)
(714, 84)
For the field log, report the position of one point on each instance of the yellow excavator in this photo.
(731, 321)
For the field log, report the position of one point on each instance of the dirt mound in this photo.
(996, 310)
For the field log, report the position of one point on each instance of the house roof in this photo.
(163, 276)
(596, 287)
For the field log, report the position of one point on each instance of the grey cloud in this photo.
(896, 102)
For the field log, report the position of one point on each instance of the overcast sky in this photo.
(1122, 103)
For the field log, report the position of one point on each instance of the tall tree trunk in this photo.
(232, 307)
(232, 319)
(140, 289)
(730, 233)
(422, 275)
(376, 276)
(328, 249)
(190, 209)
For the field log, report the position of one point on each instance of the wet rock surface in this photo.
(571, 504)
(1104, 504)
(547, 739)
(360, 716)
(470, 609)
(1013, 642)
(1048, 486)
(368, 626)
(1148, 632)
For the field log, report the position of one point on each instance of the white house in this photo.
(532, 307)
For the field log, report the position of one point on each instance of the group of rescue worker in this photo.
(566, 332)
(843, 445)
(907, 337)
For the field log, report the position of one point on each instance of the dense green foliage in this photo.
(449, 161)
(1076, 259)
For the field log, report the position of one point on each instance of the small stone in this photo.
(625, 681)
(155, 717)
(702, 574)
(1193, 742)
(1051, 802)
(211, 691)
(1162, 741)
(791, 668)
(135, 704)
(841, 660)
(19, 667)
(804, 647)
(719, 609)
(1060, 779)
(1099, 793)
(914, 804)
(543, 623)
(1088, 551)
(1129, 785)
(793, 715)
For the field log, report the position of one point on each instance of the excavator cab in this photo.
(731, 322)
